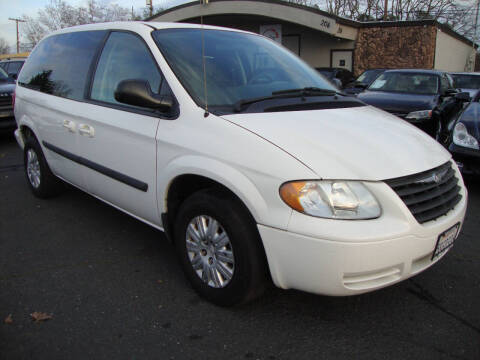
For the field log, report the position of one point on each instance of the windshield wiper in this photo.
(307, 91)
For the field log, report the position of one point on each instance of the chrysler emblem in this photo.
(435, 177)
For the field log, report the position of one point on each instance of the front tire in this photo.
(39, 176)
(220, 248)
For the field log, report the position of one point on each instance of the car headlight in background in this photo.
(334, 199)
(461, 137)
(417, 115)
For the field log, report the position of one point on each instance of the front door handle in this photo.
(70, 125)
(86, 130)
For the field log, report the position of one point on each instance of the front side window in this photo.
(237, 65)
(125, 56)
(59, 64)
(402, 82)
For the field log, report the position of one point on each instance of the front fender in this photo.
(236, 181)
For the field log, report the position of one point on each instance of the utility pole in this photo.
(385, 11)
(18, 41)
(150, 5)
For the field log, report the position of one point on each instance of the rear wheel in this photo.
(39, 177)
(220, 249)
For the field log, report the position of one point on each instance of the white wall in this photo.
(451, 54)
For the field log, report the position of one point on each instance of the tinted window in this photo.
(403, 82)
(14, 67)
(59, 64)
(368, 76)
(125, 56)
(467, 81)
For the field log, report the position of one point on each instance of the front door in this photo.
(118, 140)
(342, 59)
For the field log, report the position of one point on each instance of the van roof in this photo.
(139, 26)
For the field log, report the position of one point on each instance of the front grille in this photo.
(429, 194)
(5, 99)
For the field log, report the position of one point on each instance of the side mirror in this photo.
(462, 96)
(138, 93)
(450, 92)
(361, 85)
(336, 82)
(13, 76)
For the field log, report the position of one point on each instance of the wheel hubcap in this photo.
(33, 168)
(210, 251)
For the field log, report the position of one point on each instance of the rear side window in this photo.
(125, 56)
(59, 65)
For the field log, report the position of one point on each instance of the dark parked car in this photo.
(362, 82)
(469, 82)
(345, 76)
(463, 137)
(7, 87)
(425, 98)
(12, 67)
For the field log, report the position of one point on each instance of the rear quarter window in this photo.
(59, 65)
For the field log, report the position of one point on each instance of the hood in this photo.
(7, 88)
(398, 102)
(361, 143)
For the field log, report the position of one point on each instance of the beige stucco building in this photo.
(324, 40)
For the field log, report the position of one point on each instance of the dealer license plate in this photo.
(445, 241)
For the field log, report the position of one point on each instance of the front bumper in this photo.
(354, 257)
(468, 160)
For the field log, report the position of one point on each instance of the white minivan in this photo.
(252, 163)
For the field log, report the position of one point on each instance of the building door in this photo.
(342, 59)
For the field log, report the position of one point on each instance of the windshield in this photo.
(368, 76)
(465, 81)
(412, 83)
(238, 66)
(3, 74)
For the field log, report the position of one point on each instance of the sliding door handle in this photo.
(86, 130)
(70, 125)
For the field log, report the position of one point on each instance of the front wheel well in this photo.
(182, 187)
(27, 133)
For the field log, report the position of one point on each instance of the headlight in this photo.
(417, 115)
(332, 199)
(461, 137)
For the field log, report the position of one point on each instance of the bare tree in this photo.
(458, 14)
(59, 14)
(4, 47)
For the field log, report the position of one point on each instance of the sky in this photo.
(17, 8)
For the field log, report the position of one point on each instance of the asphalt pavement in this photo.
(114, 290)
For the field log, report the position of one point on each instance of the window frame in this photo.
(175, 111)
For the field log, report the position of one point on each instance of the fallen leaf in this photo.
(40, 316)
(8, 319)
